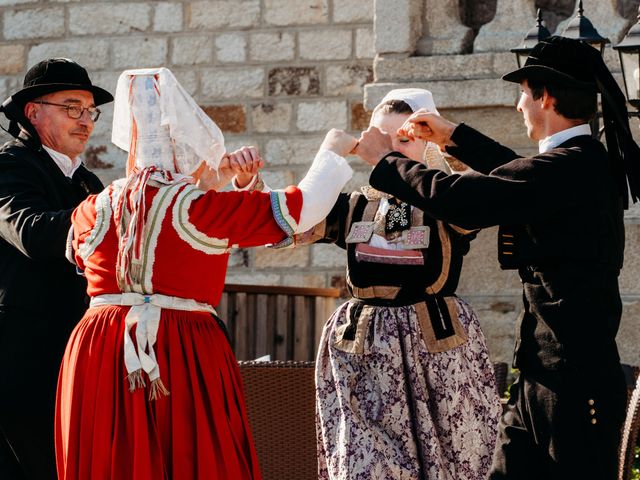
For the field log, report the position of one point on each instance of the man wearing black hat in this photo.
(561, 225)
(41, 296)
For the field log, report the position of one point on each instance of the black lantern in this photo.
(581, 28)
(533, 36)
(629, 51)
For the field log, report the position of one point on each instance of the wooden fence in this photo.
(284, 322)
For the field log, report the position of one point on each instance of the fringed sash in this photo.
(145, 313)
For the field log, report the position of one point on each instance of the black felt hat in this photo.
(576, 64)
(48, 76)
(559, 60)
(57, 74)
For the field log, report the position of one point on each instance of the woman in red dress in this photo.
(149, 387)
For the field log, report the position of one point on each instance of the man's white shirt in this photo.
(66, 164)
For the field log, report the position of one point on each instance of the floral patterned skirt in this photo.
(390, 409)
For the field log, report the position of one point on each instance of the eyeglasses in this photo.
(75, 111)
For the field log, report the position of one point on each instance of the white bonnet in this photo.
(416, 98)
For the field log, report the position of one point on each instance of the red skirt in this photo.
(199, 431)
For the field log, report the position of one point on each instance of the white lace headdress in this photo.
(161, 125)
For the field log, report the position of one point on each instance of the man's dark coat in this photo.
(561, 221)
(41, 296)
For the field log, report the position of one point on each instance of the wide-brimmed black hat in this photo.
(54, 75)
(576, 64)
(558, 60)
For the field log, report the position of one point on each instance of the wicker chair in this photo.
(501, 370)
(630, 432)
(280, 399)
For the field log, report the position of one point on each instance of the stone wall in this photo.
(279, 73)
(272, 73)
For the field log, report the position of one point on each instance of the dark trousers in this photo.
(562, 425)
(31, 349)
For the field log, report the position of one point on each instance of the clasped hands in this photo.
(374, 144)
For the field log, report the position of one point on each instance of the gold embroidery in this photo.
(446, 260)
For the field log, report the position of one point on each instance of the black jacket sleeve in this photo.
(522, 190)
(26, 219)
(478, 151)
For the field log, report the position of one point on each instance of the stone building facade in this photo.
(279, 73)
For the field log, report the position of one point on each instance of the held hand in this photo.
(429, 127)
(373, 145)
(245, 163)
(339, 142)
(208, 179)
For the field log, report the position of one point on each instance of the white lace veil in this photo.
(160, 124)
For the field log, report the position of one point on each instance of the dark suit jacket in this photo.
(563, 211)
(41, 295)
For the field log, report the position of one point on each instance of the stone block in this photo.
(188, 78)
(443, 31)
(272, 47)
(270, 117)
(12, 3)
(34, 23)
(453, 94)
(321, 116)
(105, 159)
(512, 19)
(233, 143)
(145, 52)
(481, 274)
(213, 15)
(232, 83)
(365, 43)
(292, 150)
(91, 54)
(192, 50)
(13, 59)
(352, 11)
(443, 67)
(300, 12)
(497, 317)
(504, 124)
(168, 17)
(230, 118)
(347, 79)
(298, 81)
(328, 256)
(325, 44)
(291, 279)
(107, 19)
(628, 337)
(251, 278)
(279, 179)
(231, 48)
(281, 257)
(360, 117)
(398, 25)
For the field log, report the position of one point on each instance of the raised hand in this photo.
(428, 126)
(339, 142)
(373, 145)
(245, 163)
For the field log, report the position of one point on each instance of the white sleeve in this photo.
(321, 186)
